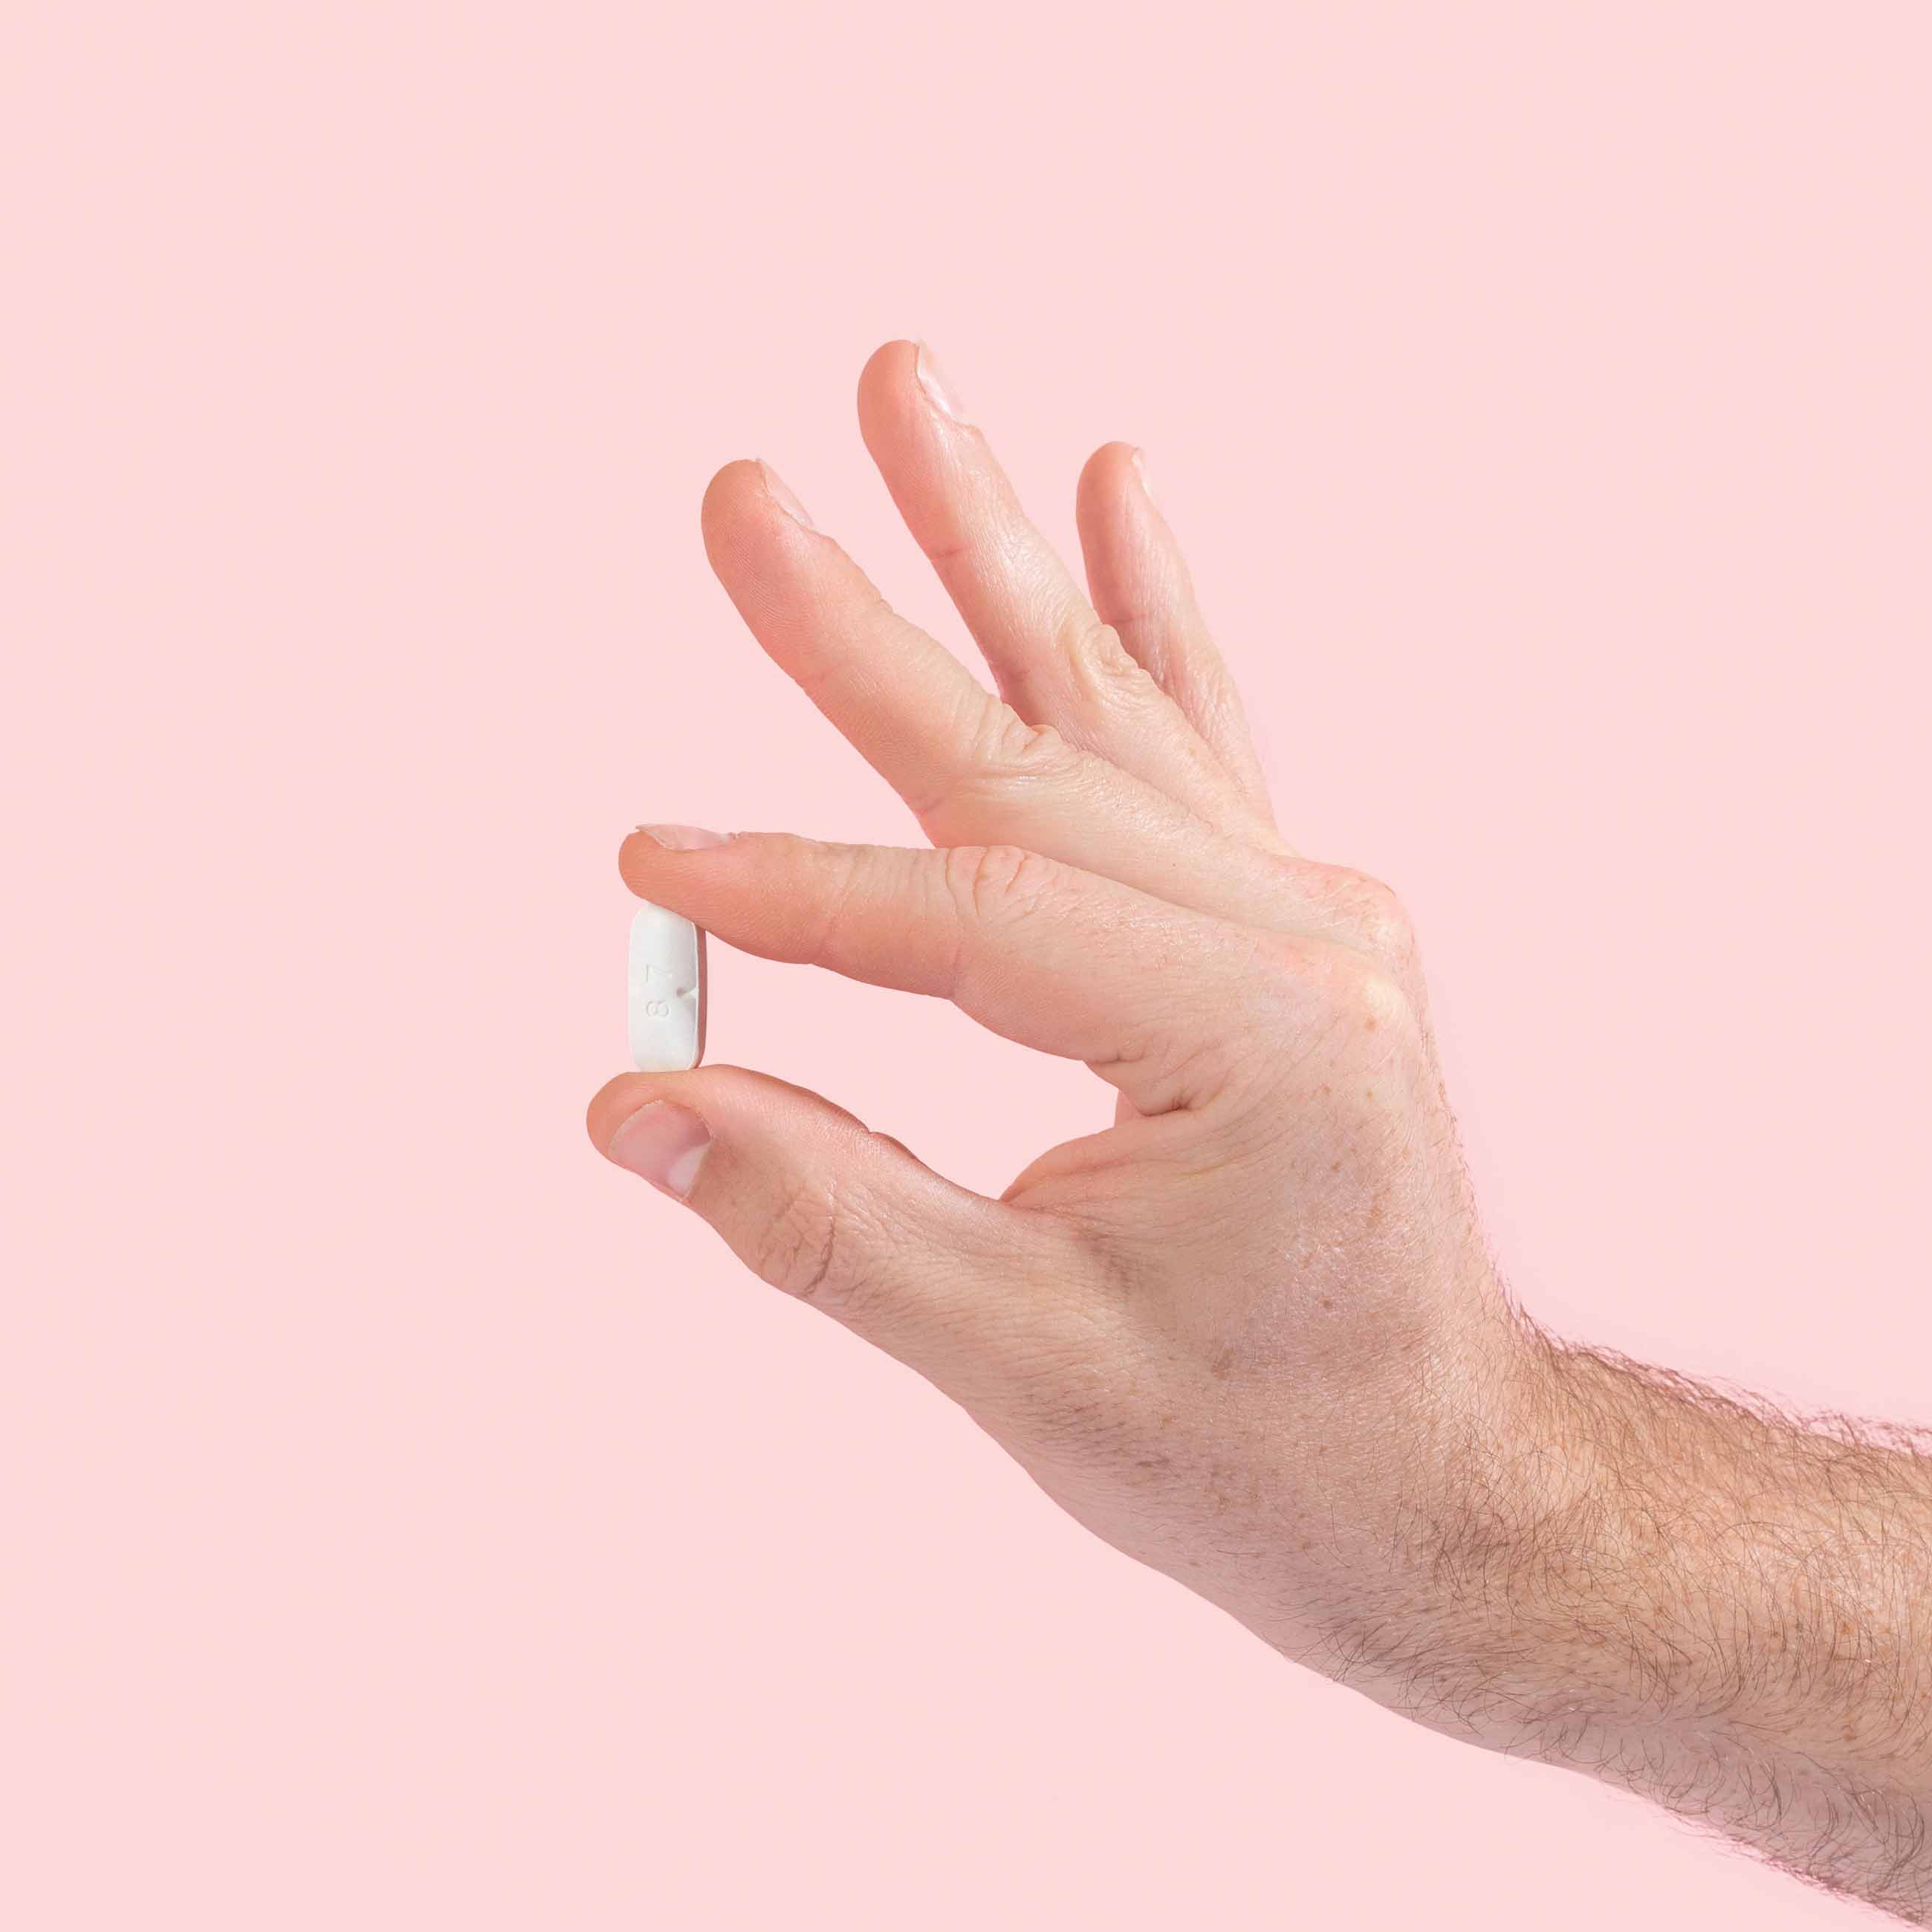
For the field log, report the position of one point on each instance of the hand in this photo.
(1250, 1333)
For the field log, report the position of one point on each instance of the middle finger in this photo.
(1054, 659)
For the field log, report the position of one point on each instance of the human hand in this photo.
(1250, 1333)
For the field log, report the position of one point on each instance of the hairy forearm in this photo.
(1700, 1601)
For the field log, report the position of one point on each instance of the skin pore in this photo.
(1253, 1334)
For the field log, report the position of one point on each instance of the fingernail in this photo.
(1141, 470)
(780, 493)
(683, 838)
(664, 1143)
(932, 379)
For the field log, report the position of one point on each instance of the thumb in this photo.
(958, 1287)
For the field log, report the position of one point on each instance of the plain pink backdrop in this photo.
(409, 1520)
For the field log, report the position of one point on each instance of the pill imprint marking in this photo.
(667, 991)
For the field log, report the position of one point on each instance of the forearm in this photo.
(1707, 1605)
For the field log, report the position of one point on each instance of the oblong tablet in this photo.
(667, 991)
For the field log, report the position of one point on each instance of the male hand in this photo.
(1250, 1333)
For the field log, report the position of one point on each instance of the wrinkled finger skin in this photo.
(1250, 1333)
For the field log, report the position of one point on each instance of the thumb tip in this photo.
(611, 1106)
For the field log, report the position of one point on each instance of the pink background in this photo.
(411, 1521)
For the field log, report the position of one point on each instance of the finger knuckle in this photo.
(1380, 999)
(1342, 990)
(1002, 759)
(1012, 752)
(799, 1250)
(1374, 918)
(1106, 677)
(837, 875)
(998, 884)
(1363, 995)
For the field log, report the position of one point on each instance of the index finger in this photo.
(1150, 995)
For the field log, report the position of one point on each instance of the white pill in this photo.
(667, 991)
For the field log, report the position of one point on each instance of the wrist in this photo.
(1644, 1570)
(1529, 1602)
(1449, 1612)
